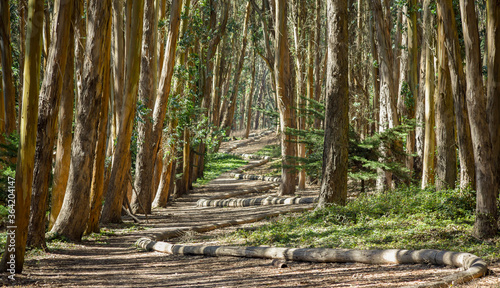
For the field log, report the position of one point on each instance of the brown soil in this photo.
(113, 261)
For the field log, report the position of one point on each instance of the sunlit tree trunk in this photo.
(98, 181)
(64, 135)
(112, 207)
(118, 55)
(9, 92)
(430, 135)
(75, 210)
(147, 88)
(250, 98)
(65, 120)
(493, 85)
(387, 109)
(445, 129)
(120, 167)
(50, 97)
(227, 121)
(485, 225)
(335, 163)
(412, 78)
(22, 10)
(467, 171)
(27, 139)
(285, 96)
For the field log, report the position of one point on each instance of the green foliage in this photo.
(365, 155)
(406, 218)
(273, 151)
(8, 152)
(218, 163)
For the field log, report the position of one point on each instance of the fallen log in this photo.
(255, 177)
(257, 189)
(259, 201)
(474, 266)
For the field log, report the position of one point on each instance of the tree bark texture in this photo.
(118, 54)
(227, 121)
(467, 172)
(75, 210)
(335, 163)
(64, 135)
(445, 129)
(147, 88)
(48, 109)
(485, 225)
(9, 92)
(285, 96)
(27, 138)
(388, 117)
(429, 88)
(120, 166)
(493, 84)
(98, 180)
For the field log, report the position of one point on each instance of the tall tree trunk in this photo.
(493, 87)
(429, 88)
(147, 88)
(9, 92)
(334, 181)
(65, 120)
(112, 207)
(445, 128)
(98, 180)
(227, 121)
(485, 225)
(2, 108)
(27, 141)
(299, 38)
(285, 96)
(118, 55)
(120, 167)
(412, 78)
(420, 107)
(375, 80)
(467, 173)
(250, 99)
(64, 134)
(50, 96)
(388, 113)
(81, 39)
(183, 188)
(22, 10)
(75, 210)
(46, 34)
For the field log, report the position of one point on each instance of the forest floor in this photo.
(110, 259)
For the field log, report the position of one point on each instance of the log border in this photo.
(474, 266)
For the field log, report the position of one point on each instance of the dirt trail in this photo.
(113, 260)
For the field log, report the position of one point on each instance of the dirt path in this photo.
(111, 260)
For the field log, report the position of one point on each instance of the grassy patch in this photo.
(407, 218)
(218, 163)
(273, 151)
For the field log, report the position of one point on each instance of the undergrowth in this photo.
(218, 163)
(407, 218)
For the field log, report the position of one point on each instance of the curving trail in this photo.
(114, 260)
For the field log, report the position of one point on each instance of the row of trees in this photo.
(461, 110)
(134, 93)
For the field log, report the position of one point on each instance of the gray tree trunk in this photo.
(335, 153)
